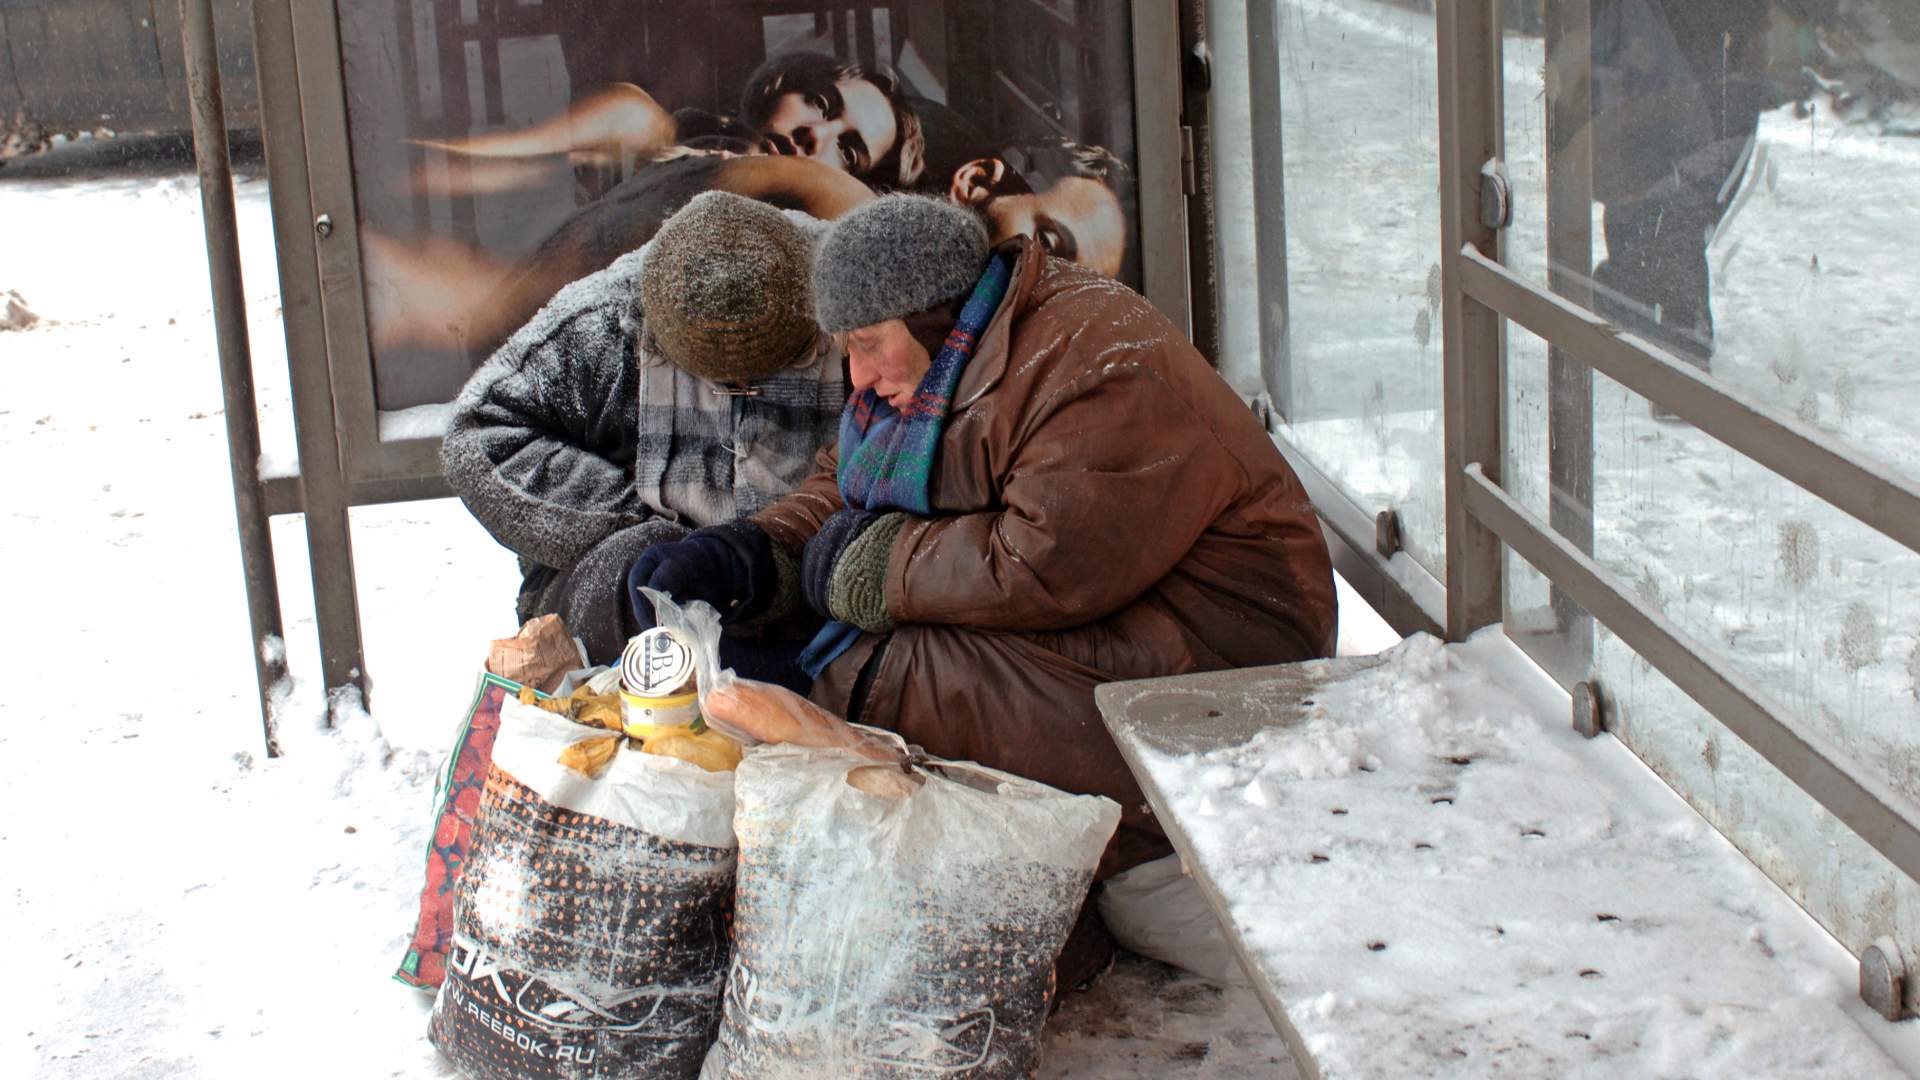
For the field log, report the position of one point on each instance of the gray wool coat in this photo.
(549, 435)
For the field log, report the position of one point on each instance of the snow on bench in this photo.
(1426, 872)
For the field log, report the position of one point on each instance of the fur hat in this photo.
(723, 290)
(894, 257)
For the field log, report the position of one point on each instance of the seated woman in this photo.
(1039, 486)
(683, 386)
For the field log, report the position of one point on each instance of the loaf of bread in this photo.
(774, 714)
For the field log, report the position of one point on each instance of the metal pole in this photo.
(1269, 202)
(236, 356)
(1470, 139)
(1569, 33)
(315, 221)
(1197, 118)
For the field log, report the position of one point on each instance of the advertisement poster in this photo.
(502, 148)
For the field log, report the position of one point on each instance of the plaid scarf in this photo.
(886, 454)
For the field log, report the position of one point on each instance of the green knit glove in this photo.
(857, 593)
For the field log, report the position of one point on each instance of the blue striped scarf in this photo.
(887, 454)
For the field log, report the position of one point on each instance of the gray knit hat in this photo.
(724, 289)
(894, 257)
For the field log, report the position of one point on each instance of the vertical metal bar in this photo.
(1468, 38)
(323, 483)
(1269, 200)
(1156, 112)
(1569, 33)
(1196, 116)
(236, 355)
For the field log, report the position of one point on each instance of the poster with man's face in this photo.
(503, 148)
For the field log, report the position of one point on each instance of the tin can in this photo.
(657, 685)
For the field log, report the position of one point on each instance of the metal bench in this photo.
(1426, 872)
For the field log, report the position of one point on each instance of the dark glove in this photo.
(729, 566)
(843, 571)
(768, 660)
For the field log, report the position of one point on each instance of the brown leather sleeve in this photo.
(793, 520)
(1106, 494)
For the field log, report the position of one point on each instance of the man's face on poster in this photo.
(1078, 218)
(848, 125)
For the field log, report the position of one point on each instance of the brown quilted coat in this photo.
(1105, 508)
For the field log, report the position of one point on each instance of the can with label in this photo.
(657, 685)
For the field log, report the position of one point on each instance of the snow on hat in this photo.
(893, 257)
(724, 289)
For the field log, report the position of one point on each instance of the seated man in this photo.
(1040, 486)
(683, 386)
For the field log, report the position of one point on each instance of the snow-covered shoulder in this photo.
(1432, 874)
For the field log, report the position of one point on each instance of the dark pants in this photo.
(1654, 282)
(1674, 118)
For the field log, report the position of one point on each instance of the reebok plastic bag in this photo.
(897, 921)
(456, 801)
(591, 921)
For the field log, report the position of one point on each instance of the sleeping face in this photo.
(1078, 218)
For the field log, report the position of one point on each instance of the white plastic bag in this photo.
(1156, 910)
(591, 921)
(906, 933)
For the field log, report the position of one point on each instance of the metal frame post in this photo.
(324, 491)
(1156, 126)
(1569, 34)
(1196, 119)
(209, 119)
(1270, 206)
(1468, 35)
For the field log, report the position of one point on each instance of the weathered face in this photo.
(1077, 219)
(885, 359)
(849, 125)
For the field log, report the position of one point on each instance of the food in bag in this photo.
(540, 655)
(591, 921)
(896, 916)
(752, 712)
(897, 920)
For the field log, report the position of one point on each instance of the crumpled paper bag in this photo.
(540, 655)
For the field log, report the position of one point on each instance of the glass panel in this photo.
(1796, 595)
(1804, 599)
(1732, 181)
(503, 150)
(1359, 381)
(1846, 885)
(1234, 193)
(1544, 621)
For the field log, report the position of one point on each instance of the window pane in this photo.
(1546, 430)
(1847, 886)
(1358, 384)
(1735, 184)
(1799, 597)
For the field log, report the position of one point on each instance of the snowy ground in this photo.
(1812, 282)
(177, 904)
